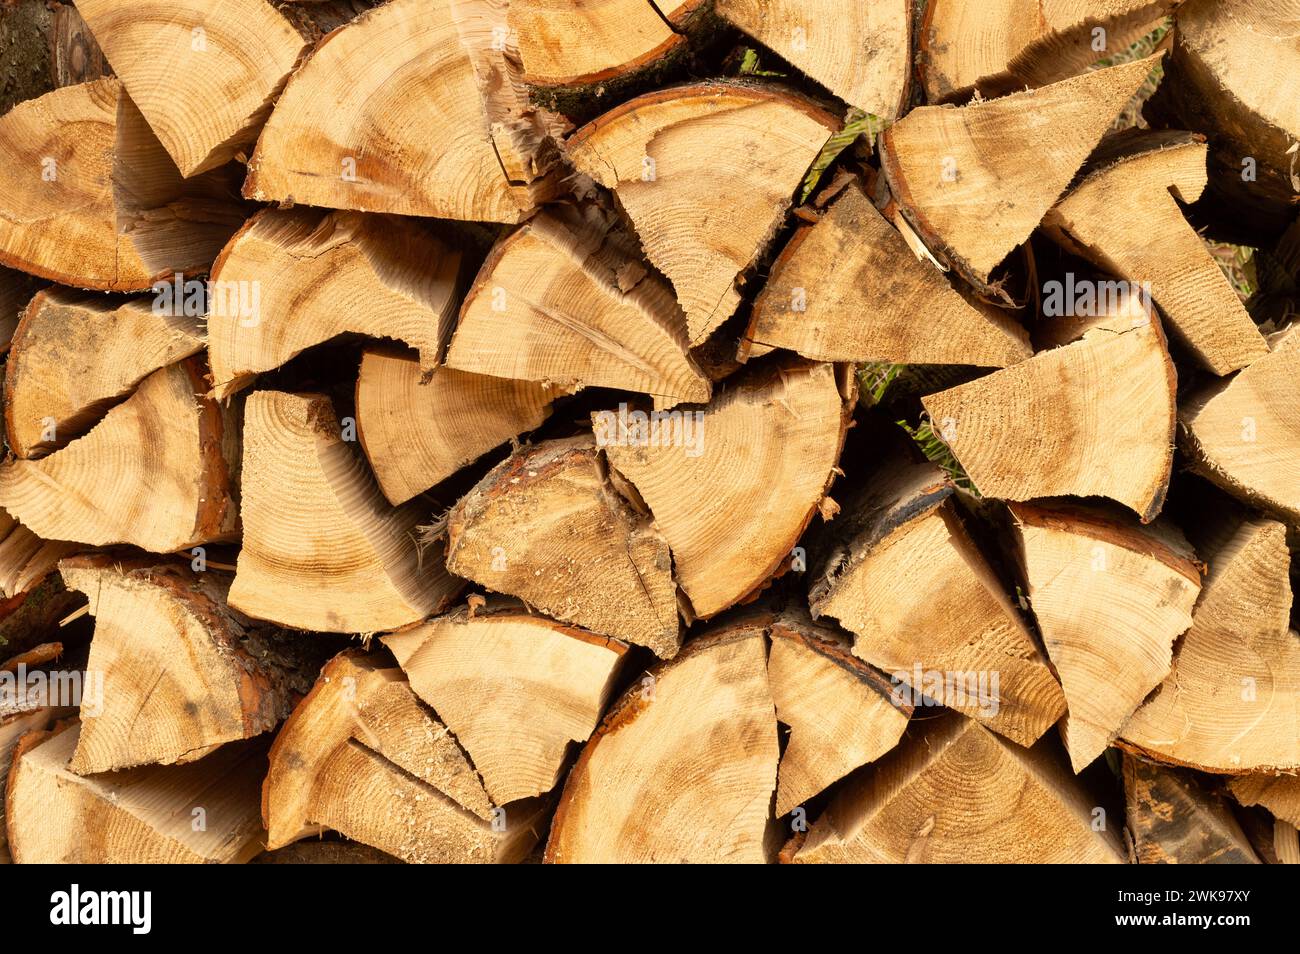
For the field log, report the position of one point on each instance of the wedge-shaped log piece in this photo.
(905, 576)
(1176, 819)
(861, 52)
(578, 44)
(417, 432)
(547, 526)
(361, 755)
(13, 726)
(999, 46)
(850, 289)
(673, 158)
(186, 674)
(322, 550)
(683, 767)
(842, 713)
(548, 683)
(1109, 218)
(1094, 417)
(75, 353)
(145, 815)
(26, 559)
(341, 135)
(204, 75)
(954, 793)
(975, 181)
(151, 473)
(565, 299)
(1232, 702)
(88, 196)
(296, 278)
(1110, 598)
(733, 487)
(1280, 794)
(1244, 433)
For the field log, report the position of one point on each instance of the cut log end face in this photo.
(604, 41)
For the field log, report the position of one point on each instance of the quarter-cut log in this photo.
(1176, 819)
(548, 684)
(547, 526)
(673, 157)
(1280, 794)
(322, 550)
(26, 559)
(579, 44)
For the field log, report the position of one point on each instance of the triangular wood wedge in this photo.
(861, 52)
(547, 526)
(566, 300)
(1232, 702)
(291, 279)
(850, 289)
(975, 181)
(322, 549)
(204, 75)
(419, 429)
(576, 44)
(999, 46)
(186, 674)
(732, 487)
(672, 156)
(1094, 417)
(89, 197)
(339, 136)
(904, 575)
(26, 559)
(151, 473)
(1137, 182)
(548, 683)
(75, 353)
(1175, 818)
(1110, 597)
(1280, 794)
(14, 725)
(842, 713)
(205, 812)
(361, 755)
(954, 793)
(704, 723)
(1244, 433)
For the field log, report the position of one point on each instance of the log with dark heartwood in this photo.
(755, 431)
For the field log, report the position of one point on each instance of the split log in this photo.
(362, 756)
(670, 156)
(849, 289)
(204, 76)
(26, 559)
(1094, 417)
(151, 473)
(187, 674)
(14, 726)
(684, 765)
(16, 290)
(975, 181)
(733, 496)
(1232, 701)
(842, 713)
(91, 199)
(325, 853)
(548, 684)
(201, 813)
(1244, 433)
(861, 52)
(1286, 842)
(904, 575)
(565, 300)
(340, 135)
(1135, 184)
(1000, 46)
(1176, 819)
(291, 279)
(75, 56)
(322, 550)
(955, 793)
(35, 617)
(546, 525)
(1110, 598)
(75, 354)
(418, 432)
(1280, 794)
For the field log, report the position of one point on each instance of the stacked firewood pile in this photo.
(628, 430)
